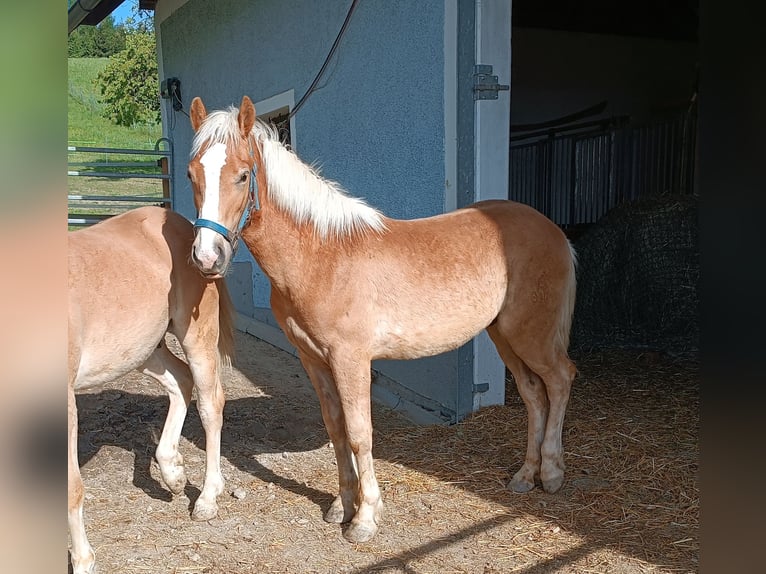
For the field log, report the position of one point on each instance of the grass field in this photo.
(87, 127)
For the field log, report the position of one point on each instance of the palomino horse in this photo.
(130, 282)
(349, 285)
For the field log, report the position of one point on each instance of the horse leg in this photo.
(352, 377)
(343, 507)
(204, 364)
(82, 555)
(174, 375)
(558, 373)
(532, 392)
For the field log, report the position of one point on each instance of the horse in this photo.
(350, 285)
(130, 283)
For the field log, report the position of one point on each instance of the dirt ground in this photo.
(630, 502)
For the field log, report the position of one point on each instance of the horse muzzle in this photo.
(211, 253)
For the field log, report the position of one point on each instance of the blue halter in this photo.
(252, 203)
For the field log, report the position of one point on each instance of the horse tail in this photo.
(225, 325)
(568, 304)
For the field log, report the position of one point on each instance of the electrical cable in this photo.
(180, 107)
(326, 62)
(313, 85)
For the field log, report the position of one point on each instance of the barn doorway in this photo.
(603, 142)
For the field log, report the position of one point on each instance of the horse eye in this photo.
(243, 178)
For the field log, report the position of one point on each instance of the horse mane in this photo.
(294, 186)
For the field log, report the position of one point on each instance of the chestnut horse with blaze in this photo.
(349, 285)
(130, 282)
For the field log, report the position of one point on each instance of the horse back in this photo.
(428, 285)
(122, 278)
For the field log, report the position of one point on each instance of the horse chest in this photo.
(302, 339)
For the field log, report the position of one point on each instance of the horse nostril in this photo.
(219, 261)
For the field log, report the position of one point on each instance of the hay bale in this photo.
(638, 277)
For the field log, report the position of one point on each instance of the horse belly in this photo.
(113, 345)
(432, 330)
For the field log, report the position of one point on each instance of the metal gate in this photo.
(574, 174)
(101, 168)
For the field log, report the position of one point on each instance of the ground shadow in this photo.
(646, 410)
(133, 422)
(630, 438)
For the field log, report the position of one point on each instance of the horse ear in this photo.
(246, 116)
(198, 113)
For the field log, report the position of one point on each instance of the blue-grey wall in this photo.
(376, 123)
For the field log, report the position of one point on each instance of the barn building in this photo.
(424, 107)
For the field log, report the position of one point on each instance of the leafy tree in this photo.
(129, 83)
(100, 41)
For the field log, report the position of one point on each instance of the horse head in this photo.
(222, 174)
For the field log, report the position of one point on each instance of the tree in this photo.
(129, 83)
(100, 41)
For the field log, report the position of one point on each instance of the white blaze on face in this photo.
(212, 161)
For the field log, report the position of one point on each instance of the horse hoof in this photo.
(336, 513)
(359, 533)
(92, 569)
(173, 474)
(204, 512)
(552, 485)
(86, 565)
(177, 485)
(520, 485)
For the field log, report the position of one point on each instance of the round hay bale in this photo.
(638, 276)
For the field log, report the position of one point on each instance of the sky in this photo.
(124, 10)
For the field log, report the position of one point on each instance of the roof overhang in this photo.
(93, 12)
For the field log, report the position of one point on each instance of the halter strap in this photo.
(252, 204)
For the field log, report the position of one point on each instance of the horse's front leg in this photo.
(210, 403)
(352, 378)
(82, 555)
(175, 377)
(343, 506)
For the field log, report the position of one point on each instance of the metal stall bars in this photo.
(576, 172)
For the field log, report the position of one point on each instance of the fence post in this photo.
(163, 161)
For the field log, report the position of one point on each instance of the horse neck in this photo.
(284, 249)
(287, 241)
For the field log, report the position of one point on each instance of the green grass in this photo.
(86, 124)
(88, 127)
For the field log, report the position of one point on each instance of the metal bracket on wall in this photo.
(485, 86)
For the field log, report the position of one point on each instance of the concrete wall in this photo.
(375, 124)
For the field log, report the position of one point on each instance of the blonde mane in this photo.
(294, 186)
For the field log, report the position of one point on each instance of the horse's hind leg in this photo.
(82, 555)
(557, 372)
(174, 375)
(533, 394)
